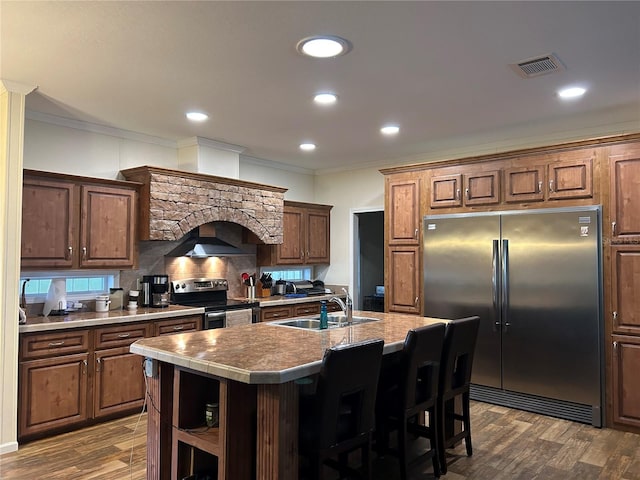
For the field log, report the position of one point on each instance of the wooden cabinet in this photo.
(403, 227)
(402, 283)
(71, 223)
(295, 310)
(75, 377)
(118, 375)
(626, 381)
(178, 325)
(403, 210)
(625, 192)
(474, 187)
(306, 237)
(539, 178)
(625, 289)
(53, 381)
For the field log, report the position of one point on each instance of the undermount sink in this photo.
(314, 323)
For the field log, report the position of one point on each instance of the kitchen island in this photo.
(253, 372)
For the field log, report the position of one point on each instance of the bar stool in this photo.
(455, 378)
(339, 418)
(408, 390)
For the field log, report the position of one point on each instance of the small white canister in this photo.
(102, 303)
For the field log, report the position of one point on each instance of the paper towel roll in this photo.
(56, 296)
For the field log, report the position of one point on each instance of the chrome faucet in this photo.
(346, 306)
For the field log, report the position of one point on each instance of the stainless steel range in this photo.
(211, 293)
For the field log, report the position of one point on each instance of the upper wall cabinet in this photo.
(625, 192)
(75, 222)
(514, 182)
(306, 237)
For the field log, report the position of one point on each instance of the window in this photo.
(79, 285)
(289, 274)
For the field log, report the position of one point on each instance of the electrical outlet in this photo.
(150, 367)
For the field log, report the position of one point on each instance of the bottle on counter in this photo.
(324, 318)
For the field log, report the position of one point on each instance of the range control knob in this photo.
(184, 286)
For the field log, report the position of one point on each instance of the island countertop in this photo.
(266, 353)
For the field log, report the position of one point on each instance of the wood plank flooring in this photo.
(508, 445)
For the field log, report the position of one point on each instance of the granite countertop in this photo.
(112, 317)
(265, 353)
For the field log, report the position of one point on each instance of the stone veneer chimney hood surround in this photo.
(173, 203)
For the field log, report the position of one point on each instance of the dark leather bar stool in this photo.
(409, 390)
(455, 378)
(339, 418)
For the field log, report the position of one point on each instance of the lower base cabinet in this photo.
(72, 378)
(53, 394)
(626, 381)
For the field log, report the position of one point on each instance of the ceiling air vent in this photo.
(534, 67)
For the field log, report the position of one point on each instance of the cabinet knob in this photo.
(84, 369)
(457, 194)
(551, 186)
(615, 315)
(415, 234)
(70, 250)
(415, 302)
(56, 344)
(99, 362)
(540, 186)
(178, 327)
(615, 346)
(613, 228)
(466, 193)
(124, 335)
(84, 253)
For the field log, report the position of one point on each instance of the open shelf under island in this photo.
(253, 372)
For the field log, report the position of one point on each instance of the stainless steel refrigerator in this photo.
(534, 278)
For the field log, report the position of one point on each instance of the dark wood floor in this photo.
(508, 444)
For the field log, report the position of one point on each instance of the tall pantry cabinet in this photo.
(403, 256)
(624, 211)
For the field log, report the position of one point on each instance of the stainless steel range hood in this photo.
(202, 245)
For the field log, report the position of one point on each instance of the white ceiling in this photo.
(438, 69)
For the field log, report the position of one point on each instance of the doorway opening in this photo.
(368, 259)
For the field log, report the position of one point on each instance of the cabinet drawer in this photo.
(54, 344)
(275, 313)
(178, 325)
(306, 309)
(120, 335)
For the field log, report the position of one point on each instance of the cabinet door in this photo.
(571, 176)
(625, 192)
(107, 233)
(47, 224)
(291, 251)
(625, 283)
(446, 191)
(118, 382)
(53, 393)
(524, 184)
(403, 283)
(318, 235)
(403, 207)
(482, 188)
(626, 381)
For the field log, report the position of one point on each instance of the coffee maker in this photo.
(155, 291)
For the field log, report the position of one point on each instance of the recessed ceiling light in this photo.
(572, 92)
(326, 46)
(197, 116)
(325, 98)
(390, 129)
(307, 147)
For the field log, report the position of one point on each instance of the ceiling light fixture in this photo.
(572, 92)
(390, 129)
(197, 116)
(323, 46)
(307, 147)
(325, 98)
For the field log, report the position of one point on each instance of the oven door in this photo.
(214, 320)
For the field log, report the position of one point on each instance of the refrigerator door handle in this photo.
(494, 284)
(505, 284)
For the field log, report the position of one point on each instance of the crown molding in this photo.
(207, 142)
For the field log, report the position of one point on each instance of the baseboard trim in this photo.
(8, 447)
